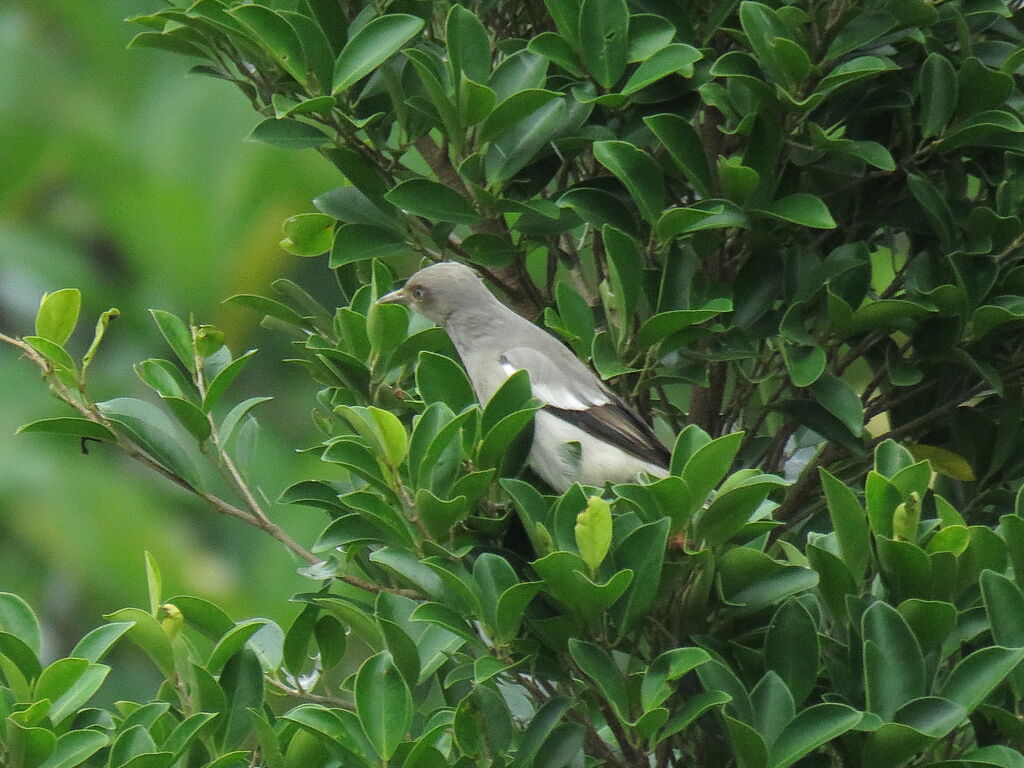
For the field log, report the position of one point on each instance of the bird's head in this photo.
(440, 290)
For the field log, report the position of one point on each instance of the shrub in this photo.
(788, 233)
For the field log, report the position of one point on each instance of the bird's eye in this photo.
(417, 293)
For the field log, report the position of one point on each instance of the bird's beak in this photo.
(395, 297)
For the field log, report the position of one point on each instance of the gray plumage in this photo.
(585, 433)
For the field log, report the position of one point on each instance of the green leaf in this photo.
(596, 664)
(648, 34)
(177, 335)
(997, 312)
(511, 605)
(1004, 605)
(804, 363)
(637, 171)
(642, 551)
(148, 635)
(624, 262)
(308, 234)
(782, 58)
(277, 37)
(371, 46)
(672, 59)
(186, 732)
(938, 94)
(70, 425)
(149, 427)
(382, 429)
(791, 648)
(935, 207)
(803, 209)
(810, 729)
(663, 325)
(165, 42)
(977, 675)
(351, 206)
(849, 521)
(94, 646)
(513, 394)
(469, 45)
(17, 618)
(859, 32)
(684, 146)
(224, 379)
(752, 580)
(539, 729)
(594, 532)
(431, 200)
(520, 144)
(669, 666)
(289, 133)
(236, 415)
(564, 577)
(729, 512)
(894, 672)
(851, 71)
(74, 748)
(704, 470)
(361, 242)
(441, 379)
(58, 315)
(383, 703)
(232, 642)
(69, 684)
(556, 48)
(604, 39)
(839, 398)
(515, 108)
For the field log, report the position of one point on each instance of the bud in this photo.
(171, 619)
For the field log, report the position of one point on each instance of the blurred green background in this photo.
(130, 179)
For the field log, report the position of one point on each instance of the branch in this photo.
(134, 451)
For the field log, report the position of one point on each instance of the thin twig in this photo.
(133, 451)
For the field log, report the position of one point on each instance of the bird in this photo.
(584, 433)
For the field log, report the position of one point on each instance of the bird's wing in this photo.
(571, 392)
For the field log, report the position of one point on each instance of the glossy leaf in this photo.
(371, 46)
(383, 703)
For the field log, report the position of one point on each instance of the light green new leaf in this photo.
(594, 532)
(58, 315)
(308, 234)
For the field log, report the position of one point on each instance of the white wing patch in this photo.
(557, 394)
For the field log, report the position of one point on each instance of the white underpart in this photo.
(599, 463)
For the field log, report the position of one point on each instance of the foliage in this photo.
(782, 219)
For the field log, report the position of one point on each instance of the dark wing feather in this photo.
(617, 424)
